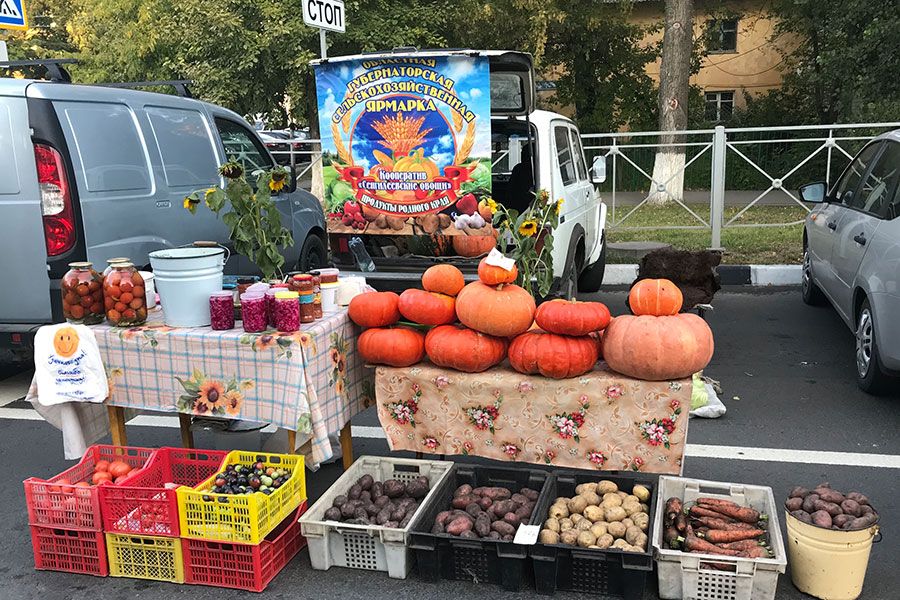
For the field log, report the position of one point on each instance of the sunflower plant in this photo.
(528, 238)
(253, 220)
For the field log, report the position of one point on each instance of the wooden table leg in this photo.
(347, 446)
(292, 441)
(187, 436)
(117, 425)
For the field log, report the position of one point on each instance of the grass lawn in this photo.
(743, 245)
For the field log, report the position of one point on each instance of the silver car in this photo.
(851, 256)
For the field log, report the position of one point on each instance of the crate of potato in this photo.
(717, 540)
(595, 533)
(365, 518)
(466, 533)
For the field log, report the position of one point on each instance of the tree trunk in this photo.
(674, 85)
(317, 186)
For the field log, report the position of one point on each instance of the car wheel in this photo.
(811, 293)
(869, 376)
(313, 254)
(592, 277)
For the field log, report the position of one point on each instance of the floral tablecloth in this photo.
(601, 420)
(311, 381)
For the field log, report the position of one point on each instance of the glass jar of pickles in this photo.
(124, 297)
(82, 294)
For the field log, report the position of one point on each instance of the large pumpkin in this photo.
(504, 311)
(658, 348)
(570, 317)
(464, 349)
(374, 309)
(396, 347)
(473, 245)
(655, 297)
(444, 279)
(551, 355)
(494, 275)
(427, 308)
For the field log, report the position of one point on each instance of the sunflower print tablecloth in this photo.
(602, 420)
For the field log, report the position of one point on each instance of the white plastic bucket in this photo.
(149, 288)
(185, 279)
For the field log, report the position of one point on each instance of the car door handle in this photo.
(860, 238)
(832, 225)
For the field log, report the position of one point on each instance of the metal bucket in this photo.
(185, 279)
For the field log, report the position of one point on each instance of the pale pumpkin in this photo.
(427, 308)
(504, 311)
(396, 347)
(658, 348)
(552, 355)
(570, 317)
(443, 279)
(464, 349)
(655, 297)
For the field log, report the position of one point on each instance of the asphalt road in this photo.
(787, 374)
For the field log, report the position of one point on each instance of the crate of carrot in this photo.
(717, 540)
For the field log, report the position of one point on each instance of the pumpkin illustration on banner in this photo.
(395, 347)
(504, 311)
(552, 355)
(65, 342)
(374, 309)
(464, 349)
(657, 297)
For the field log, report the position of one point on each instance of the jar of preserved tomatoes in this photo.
(124, 297)
(111, 261)
(82, 294)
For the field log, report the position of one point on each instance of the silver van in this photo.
(90, 172)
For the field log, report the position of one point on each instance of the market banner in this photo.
(406, 144)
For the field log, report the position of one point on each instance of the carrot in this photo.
(699, 511)
(723, 524)
(742, 545)
(673, 507)
(757, 552)
(730, 509)
(692, 543)
(681, 522)
(671, 537)
(718, 536)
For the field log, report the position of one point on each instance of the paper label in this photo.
(527, 535)
(496, 259)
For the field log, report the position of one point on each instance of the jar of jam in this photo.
(329, 275)
(302, 283)
(253, 312)
(307, 308)
(221, 310)
(111, 261)
(82, 294)
(317, 296)
(287, 311)
(124, 297)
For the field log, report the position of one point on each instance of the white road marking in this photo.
(785, 455)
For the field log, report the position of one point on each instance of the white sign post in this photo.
(324, 15)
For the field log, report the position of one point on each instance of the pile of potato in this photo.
(391, 503)
(486, 512)
(830, 509)
(600, 516)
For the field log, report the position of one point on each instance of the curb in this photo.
(756, 275)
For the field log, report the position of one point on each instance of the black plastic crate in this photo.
(606, 573)
(445, 556)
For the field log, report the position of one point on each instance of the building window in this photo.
(719, 106)
(721, 35)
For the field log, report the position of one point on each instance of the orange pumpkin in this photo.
(444, 279)
(464, 349)
(427, 308)
(505, 310)
(494, 275)
(396, 347)
(552, 355)
(374, 309)
(658, 348)
(473, 245)
(657, 297)
(570, 317)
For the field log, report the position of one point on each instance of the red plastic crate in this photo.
(141, 504)
(243, 566)
(70, 550)
(51, 504)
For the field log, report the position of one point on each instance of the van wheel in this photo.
(592, 277)
(869, 376)
(313, 254)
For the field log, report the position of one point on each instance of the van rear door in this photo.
(512, 83)
(25, 287)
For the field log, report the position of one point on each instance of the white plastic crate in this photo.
(701, 576)
(369, 547)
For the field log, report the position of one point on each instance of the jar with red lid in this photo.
(124, 296)
(82, 294)
(302, 284)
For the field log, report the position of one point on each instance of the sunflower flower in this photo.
(528, 228)
(190, 203)
(233, 402)
(559, 204)
(277, 181)
(211, 392)
(491, 204)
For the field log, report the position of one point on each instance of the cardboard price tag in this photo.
(527, 535)
(496, 259)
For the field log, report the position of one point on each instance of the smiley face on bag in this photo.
(65, 342)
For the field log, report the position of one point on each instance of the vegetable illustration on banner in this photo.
(406, 144)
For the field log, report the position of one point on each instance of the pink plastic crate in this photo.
(69, 550)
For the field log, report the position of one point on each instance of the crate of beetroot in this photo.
(717, 540)
(467, 532)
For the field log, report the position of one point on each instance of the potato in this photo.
(594, 513)
(851, 507)
(591, 498)
(569, 537)
(384, 515)
(496, 493)
(512, 519)
(548, 536)
(484, 503)
(437, 528)
(642, 520)
(830, 507)
(586, 487)
(631, 508)
(598, 529)
(398, 514)
(859, 498)
(560, 500)
(576, 518)
(371, 509)
(841, 520)
(524, 513)
(381, 501)
(796, 503)
(645, 508)
(552, 525)
(529, 493)
(348, 509)
(615, 513)
(333, 514)
(611, 500)
(460, 524)
(616, 529)
(830, 495)
(583, 525)
(862, 522)
(586, 538)
(365, 482)
(463, 490)
(631, 498)
(483, 524)
(642, 493)
(606, 486)
(417, 489)
(339, 501)
(632, 533)
(620, 544)
(809, 503)
(566, 524)
(605, 541)
(641, 541)
(442, 517)
(594, 547)
(463, 501)
(802, 515)
(394, 488)
(355, 491)
(632, 549)
(559, 511)
(622, 495)
(503, 528)
(821, 518)
(577, 504)
(627, 522)
(798, 492)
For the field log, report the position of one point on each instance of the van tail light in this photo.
(56, 200)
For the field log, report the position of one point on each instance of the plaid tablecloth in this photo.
(601, 420)
(311, 381)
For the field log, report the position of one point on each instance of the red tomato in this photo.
(102, 465)
(126, 286)
(101, 476)
(119, 468)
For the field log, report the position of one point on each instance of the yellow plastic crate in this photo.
(245, 519)
(145, 557)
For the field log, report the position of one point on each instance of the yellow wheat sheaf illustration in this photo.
(466, 147)
(342, 151)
